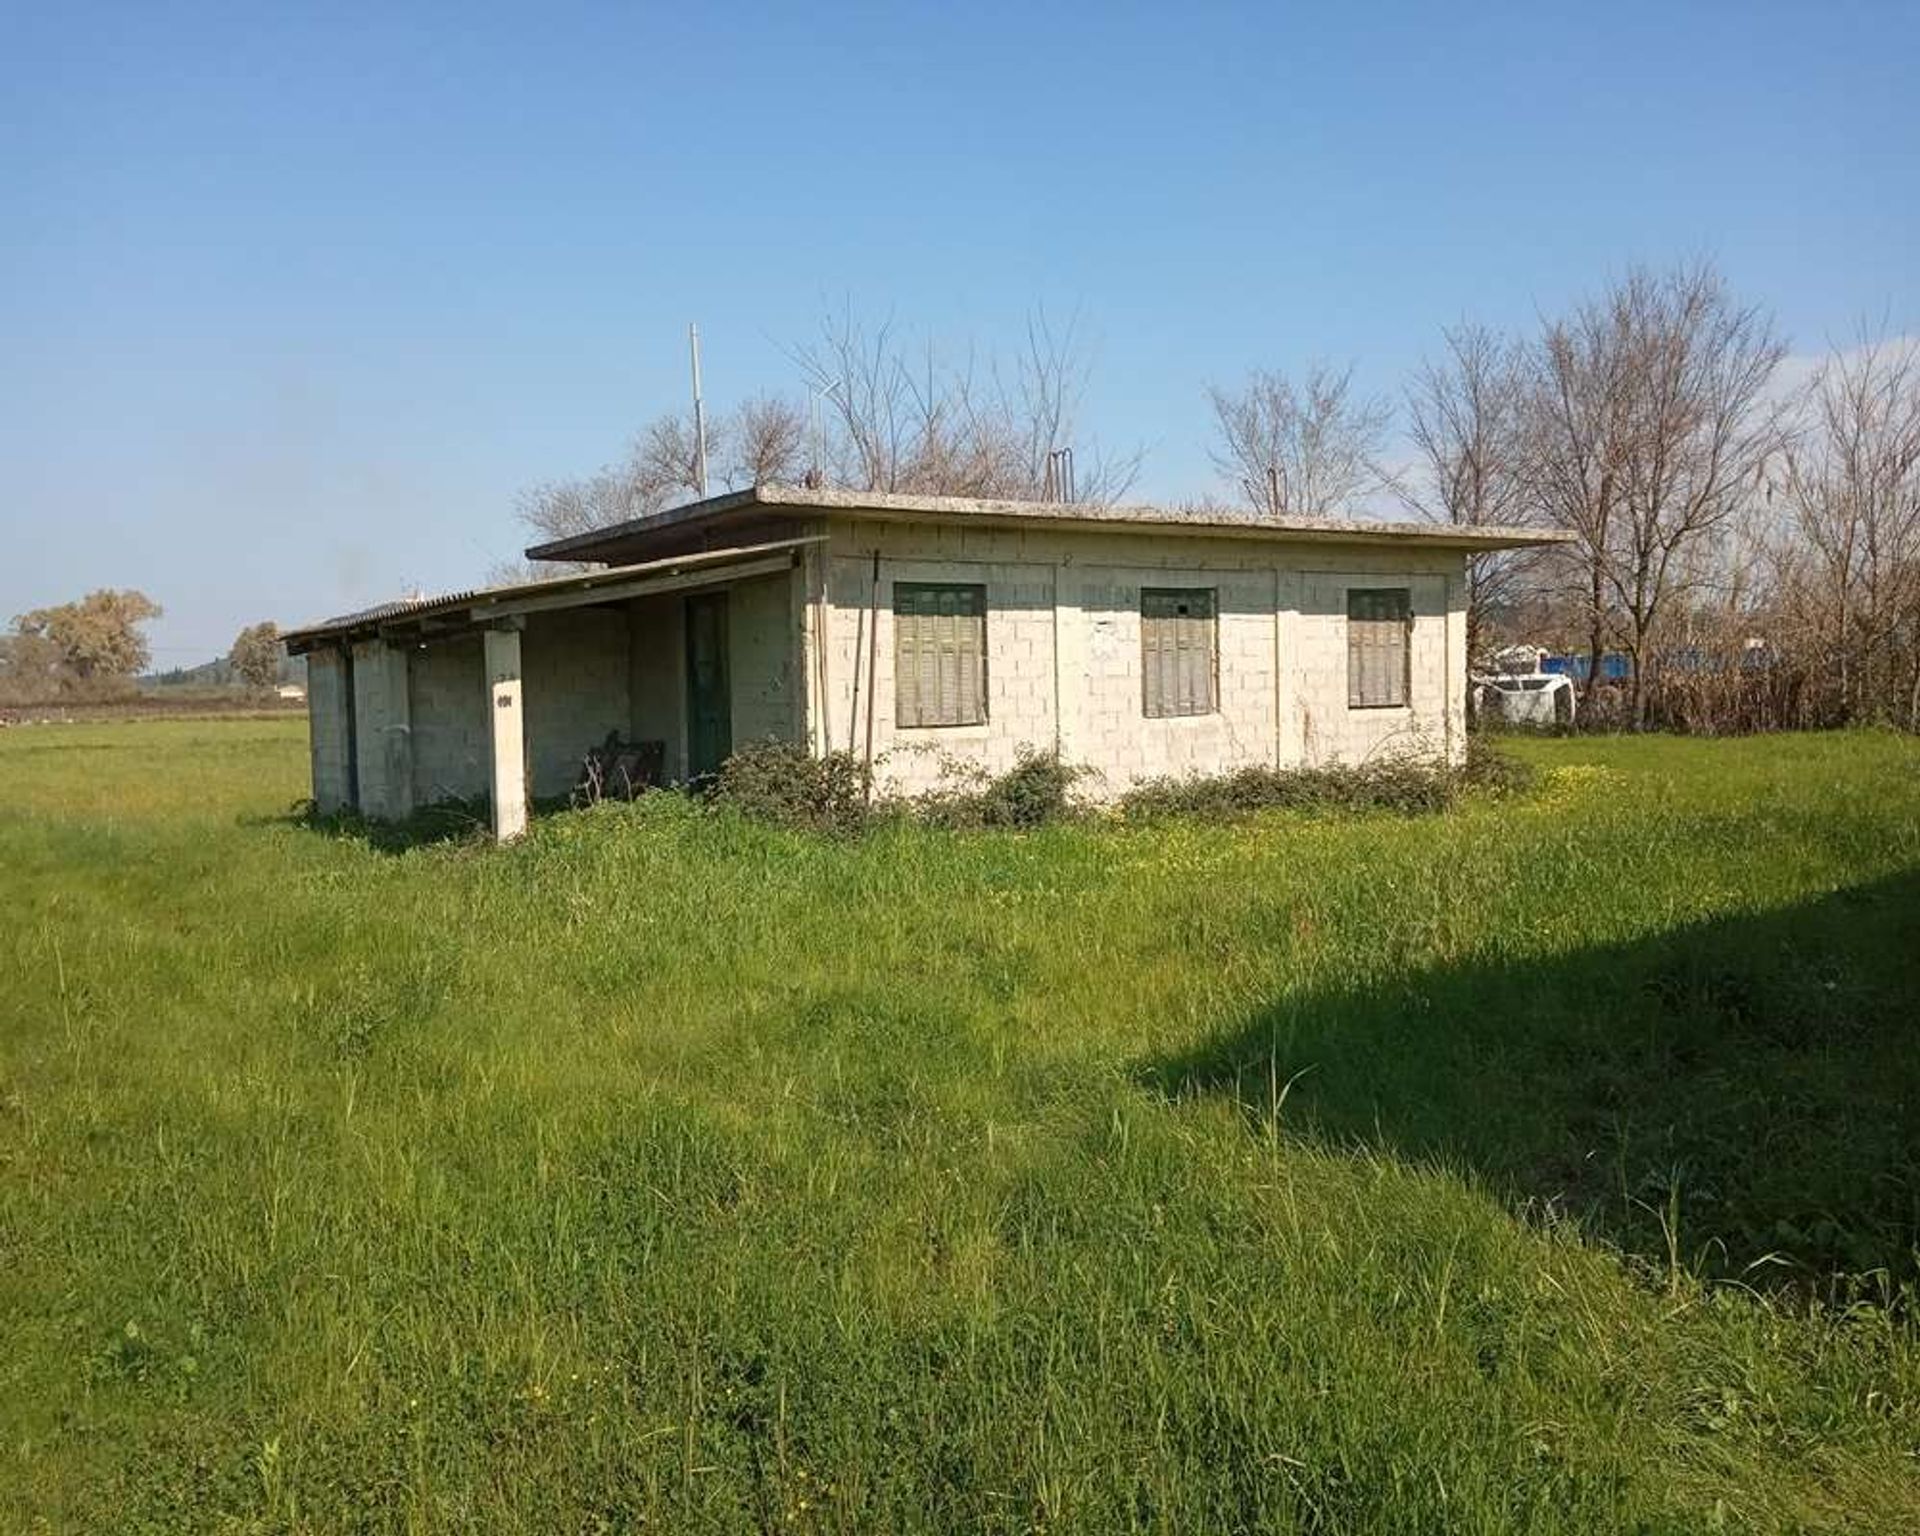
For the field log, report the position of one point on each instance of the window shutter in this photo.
(1175, 623)
(906, 658)
(946, 655)
(939, 651)
(970, 660)
(1178, 651)
(1378, 624)
(1359, 646)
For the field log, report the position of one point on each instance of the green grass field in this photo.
(1548, 1165)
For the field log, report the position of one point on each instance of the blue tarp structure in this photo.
(1615, 666)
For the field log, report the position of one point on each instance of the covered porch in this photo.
(500, 694)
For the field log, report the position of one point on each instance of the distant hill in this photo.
(218, 674)
(209, 674)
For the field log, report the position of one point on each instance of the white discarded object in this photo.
(1516, 661)
(1526, 698)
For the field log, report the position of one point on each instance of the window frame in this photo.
(1357, 596)
(1211, 597)
(976, 592)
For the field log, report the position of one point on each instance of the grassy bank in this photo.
(1542, 1166)
(169, 703)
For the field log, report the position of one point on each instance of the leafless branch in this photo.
(1310, 450)
(906, 419)
(1467, 422)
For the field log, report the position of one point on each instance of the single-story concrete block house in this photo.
(913, 631)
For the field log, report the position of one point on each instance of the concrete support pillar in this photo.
(506, 729)
(330, 730)
(1457, 664)
(1068, 666)
(810, 656)
(1290, 742)
(383, 730)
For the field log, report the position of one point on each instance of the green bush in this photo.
(784, 784)
(1403, 785)
(1033, 793)
(1490, 771)
(787, 785)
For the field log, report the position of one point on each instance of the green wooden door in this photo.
(709, 699)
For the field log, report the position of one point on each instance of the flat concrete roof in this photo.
(794, 500)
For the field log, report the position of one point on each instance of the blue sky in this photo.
(293, 300)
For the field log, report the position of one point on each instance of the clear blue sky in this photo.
(293, 299)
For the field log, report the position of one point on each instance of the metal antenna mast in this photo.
(816, 475)
(699, 416)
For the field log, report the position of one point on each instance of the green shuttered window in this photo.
(1178, 651)
(939, 654)
(1379, 625)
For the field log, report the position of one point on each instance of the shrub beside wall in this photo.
(1407, 786)
(788, 786)
(1035, 791)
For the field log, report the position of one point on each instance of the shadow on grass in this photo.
(446, 821)
(449, 821)
(1740, 1097)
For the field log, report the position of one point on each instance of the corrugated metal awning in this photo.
(479, 607)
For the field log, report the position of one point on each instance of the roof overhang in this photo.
(492, 607)
(716, 512)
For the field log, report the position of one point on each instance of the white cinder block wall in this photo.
(578, 673)
(762, 654)
(591, 671)
(383, 729)
(760, 660)
(1064, 656)
(452, 752)
(657, 671)
(577, 668)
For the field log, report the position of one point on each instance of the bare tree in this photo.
(857, 369)
(902, 419)
(1467, 421)
(559, 509)
(1701, 429)
(1576, 425)
(1852, 489)
(1306, 450)
(1040, 406)
(664, 465)
(765, 442)
(905, 419)
(760, 442)
(1651, 427)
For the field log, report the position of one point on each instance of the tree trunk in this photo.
(1596, 645)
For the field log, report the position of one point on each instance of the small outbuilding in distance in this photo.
(915, 631)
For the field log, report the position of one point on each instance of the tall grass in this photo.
(672, 1171)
